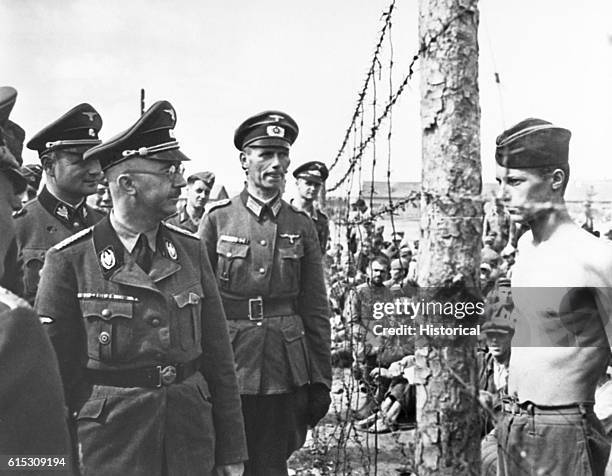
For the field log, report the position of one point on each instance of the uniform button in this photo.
(263, 242)
(262, 270)
(104, 338)
(75, 224)
(229, 254)
(106, 313)
(259, 324)
(155, 322)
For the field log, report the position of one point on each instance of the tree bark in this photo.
(448, 435)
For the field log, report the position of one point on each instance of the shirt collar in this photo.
(129, 237)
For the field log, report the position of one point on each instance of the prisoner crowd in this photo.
(144, 333)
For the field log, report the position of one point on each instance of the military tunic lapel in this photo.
(111, 259)
(166, 259)
(72, 218)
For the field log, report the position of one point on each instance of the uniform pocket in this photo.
(294, 339)
(232, 272)
(189, 303)
(33, 260)
(92, 409)
(290, 261)
(108, 325)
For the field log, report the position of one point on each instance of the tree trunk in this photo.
(448, 435)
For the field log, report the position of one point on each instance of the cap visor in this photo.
(169, 156)
(79, 149)
(311, 178)
(268, 142)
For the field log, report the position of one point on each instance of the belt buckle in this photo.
(165, 375)
(256, 309)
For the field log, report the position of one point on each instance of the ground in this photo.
(336, 447)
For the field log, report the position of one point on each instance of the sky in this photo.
(221, 62)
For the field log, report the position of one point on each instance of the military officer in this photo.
(137, 323)
(32, 408)
(198, 187)
(309, 178)
(267, 261)
(60, 209)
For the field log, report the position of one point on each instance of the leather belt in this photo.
(256, 309)
(528, 408)
(148, 377)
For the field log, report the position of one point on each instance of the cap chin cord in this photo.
(144, 151)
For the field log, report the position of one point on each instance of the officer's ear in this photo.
(244, 160)
(126, 184)
(558, 179)
(48, 162)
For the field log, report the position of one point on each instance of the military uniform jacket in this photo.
(276, 257)
(182, 219)
(41, 224)
(32, 408)
(321, 223)
(104, 312)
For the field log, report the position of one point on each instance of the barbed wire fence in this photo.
(339, 447)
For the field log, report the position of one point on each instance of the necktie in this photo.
(142, 253)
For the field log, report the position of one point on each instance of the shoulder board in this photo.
(219, 204)
(297, 210)
(180, 230)
(19, 213)
(72, 239)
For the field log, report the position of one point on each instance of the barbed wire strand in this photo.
(423, 48)
(362, 94)
(496, 75)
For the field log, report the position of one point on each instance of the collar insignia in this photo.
(171, 250)
(62, 212)
(107, 258)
